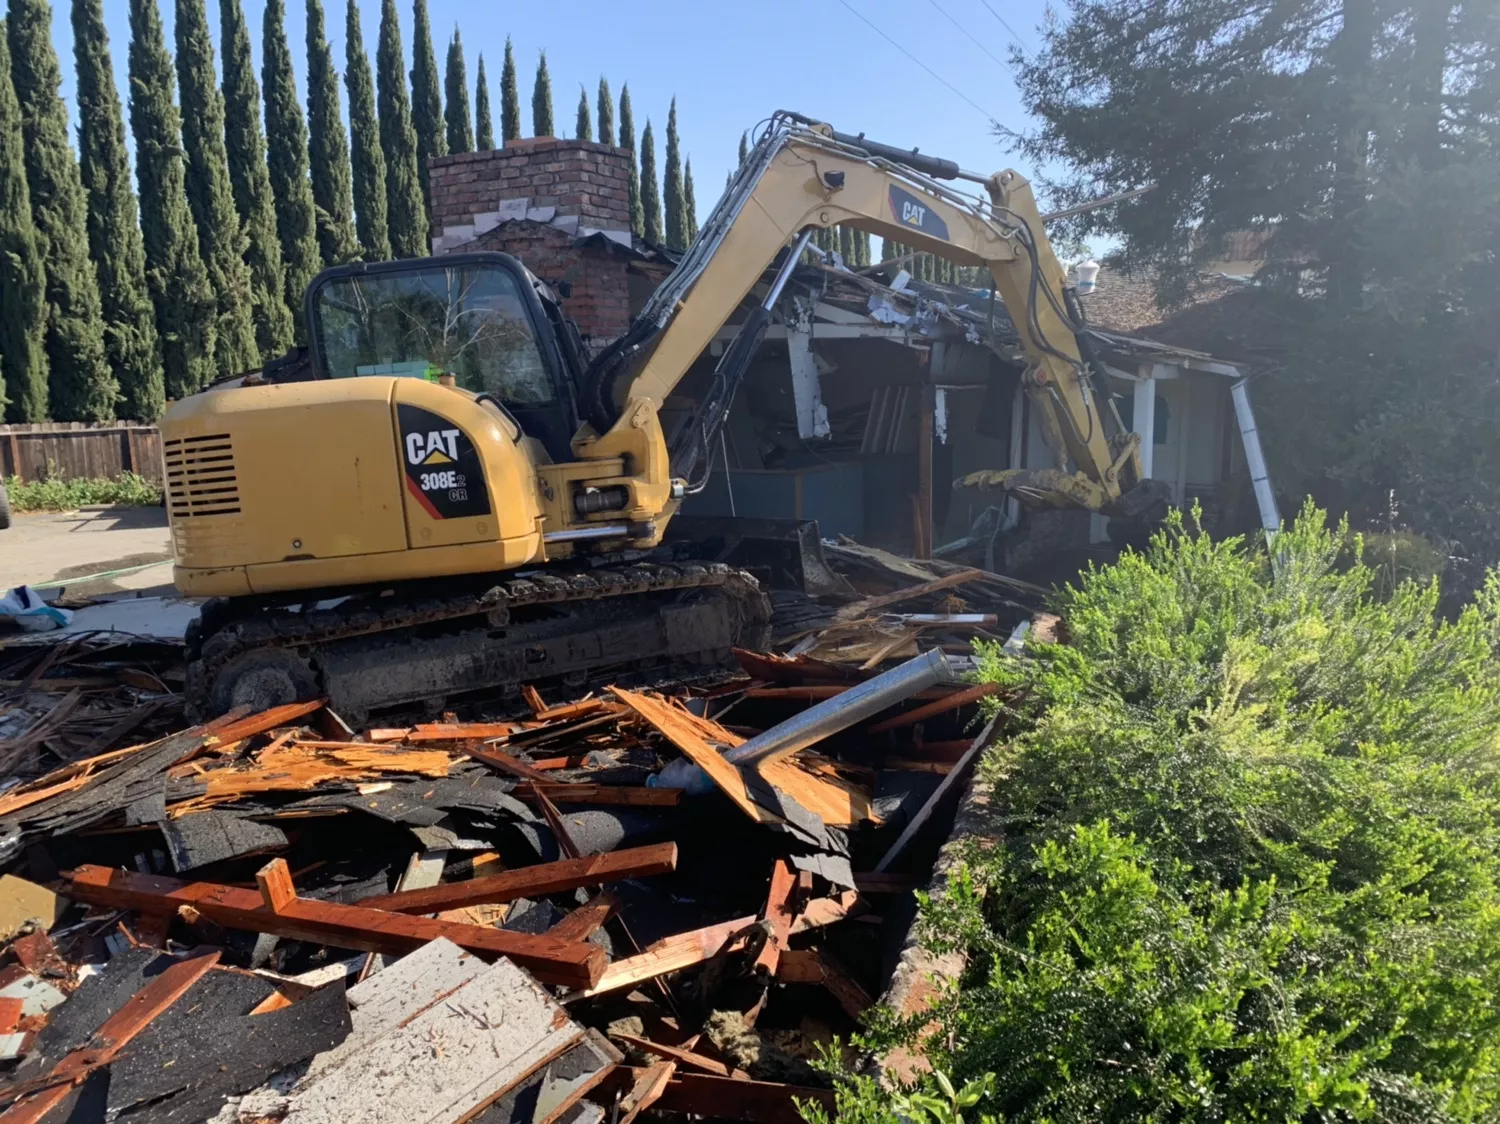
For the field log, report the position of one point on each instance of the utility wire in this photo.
(923, 65)
(966, 32)
(1013, 34)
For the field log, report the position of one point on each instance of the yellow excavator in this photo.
(442, 494)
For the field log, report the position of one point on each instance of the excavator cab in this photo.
(482, 320)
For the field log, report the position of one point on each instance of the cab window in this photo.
(467, 321)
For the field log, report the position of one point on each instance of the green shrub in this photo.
(68, 495)
(1250, 864)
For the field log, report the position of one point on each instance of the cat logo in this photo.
(440, 446)
(910, 211)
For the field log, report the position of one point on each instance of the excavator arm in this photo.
(802, 176)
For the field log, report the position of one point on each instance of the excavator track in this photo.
(409, 648)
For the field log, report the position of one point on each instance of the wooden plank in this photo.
(960, 770)
(816, 966)
(725, 1098)
(953, 701)
(560, 832)
(677, 728)
(569, 711)
(884, 883)
(459, 731)
(649, 1085)
(342, 926)
(532, 881)
(871, 604)
(673, 1053)
(447, 1062)
(498, 759)
(636, 796)
(671, 954)
(111, 1037)
(533, 699)
(825, 911)
(266, 720)
(586, 920)
(778, 915)
(275, 882)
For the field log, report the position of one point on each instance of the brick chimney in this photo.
(561, 206)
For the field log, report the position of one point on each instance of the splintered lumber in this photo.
(778, 915)
(952, 701)
(109, 1039)
(357, 927)
(532, 881)
(815, 966)
(870, 604)
(671, 954)
(584, 921)
(726, 1098)
(649, 1085)
(266, 720)
(298, 766)
(825, 911)
(569, 711)
(673, 1053)
(498, 759)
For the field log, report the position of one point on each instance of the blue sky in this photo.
(729, 64)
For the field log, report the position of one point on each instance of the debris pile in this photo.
(658, 897)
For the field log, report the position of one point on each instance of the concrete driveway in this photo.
(53, 546)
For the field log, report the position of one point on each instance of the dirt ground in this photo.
(52, 546)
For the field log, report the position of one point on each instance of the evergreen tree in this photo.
(250, 184)
(606, 113)
(672, 182)
(583, 126)
(426, 99)
(541, 101)
(81, 387)
(286, 157)
(113, 219)
(175, 273)
(23, 280)
(485, 140)
(689, 203)
(220, 240)
(510, 98)
(456, 99)
(744, 148)
(398, 139)
(650, 193)
(328, 148)
(366, 157)
(627, 141)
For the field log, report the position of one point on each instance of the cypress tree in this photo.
(113, 219)
(403, 185)
(583, 125)
(672, 186)
(484, 140)
(220, 240)
(689, 203)
(541, 101)
(650, 193)
(426, 99)
(175, 273)
(328, 148)
(846, 246)
(744, 148)
(81, 386)
(286, 157)
(365, 154)
(23, 280)
(456, 99)
(606, 113)
(510, 98)
(627, 141)
(250, 184)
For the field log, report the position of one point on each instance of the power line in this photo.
(923, 65)
(1019, 41)
(967, 33)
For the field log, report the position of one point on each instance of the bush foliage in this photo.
(1249, 866)
(68, 495)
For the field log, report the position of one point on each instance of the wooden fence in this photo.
(73, 450)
